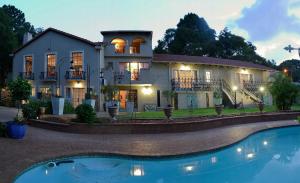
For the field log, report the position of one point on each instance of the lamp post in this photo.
(262, 89)
(61, 60)
(234, 88)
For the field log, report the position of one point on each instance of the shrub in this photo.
(85, 113)
(2, 130)
(68, 108)
(31, 109)
(283, 91)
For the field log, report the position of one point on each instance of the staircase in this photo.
(252, 95)
(228, 91)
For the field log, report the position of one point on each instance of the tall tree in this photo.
(193, 36)
(293, 68)
(18, 22)
(236, 47)
(7, 44)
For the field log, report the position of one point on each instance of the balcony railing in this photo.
(48, 76)
(27, 75)
(188, 84)
(75, 75)
(126, 78)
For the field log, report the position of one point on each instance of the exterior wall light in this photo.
(78, 84)
(185, 68)
(261, 89)
(147, 90)
(234, 88)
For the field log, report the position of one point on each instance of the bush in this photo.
(2, 130)
(68, 108)
(283, 91)
(85, 113)
(31, 109)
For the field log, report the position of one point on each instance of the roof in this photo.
(125, 31)
(61, 33)
(167, 58)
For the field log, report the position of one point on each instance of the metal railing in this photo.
(49, 76)
(186, 84)
(27, 75)
(75, 75)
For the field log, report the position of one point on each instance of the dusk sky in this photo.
(269, 24)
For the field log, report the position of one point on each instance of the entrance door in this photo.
(126, 95)
(78, 96)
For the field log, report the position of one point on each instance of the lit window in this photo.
(28, 64)
(208, 76)
(77, 58)
(51, 63)
(135, 46)
(133, 67)
(119, 45)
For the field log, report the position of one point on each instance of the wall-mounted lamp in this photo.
(147, 90)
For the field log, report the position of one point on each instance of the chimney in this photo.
(27, 37)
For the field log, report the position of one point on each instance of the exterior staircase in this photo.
(252, 95)
(228, 91)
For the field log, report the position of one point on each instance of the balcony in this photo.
(127, 78)
(75, 75)
(48, 76)
(188, 84)
(27, 75)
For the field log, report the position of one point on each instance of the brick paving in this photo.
(41, 144)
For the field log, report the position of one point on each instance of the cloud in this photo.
(267, 18)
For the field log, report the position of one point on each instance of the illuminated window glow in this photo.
(119, 45)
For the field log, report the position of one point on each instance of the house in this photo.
(70, 66)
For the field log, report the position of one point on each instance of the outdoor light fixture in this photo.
(261, 89)
(185, 68)
(101, 75)
(234, 88)
(285, 70)
(147, 90)
(250, 155)
(265, 143)
(239, 150)
(137, 171)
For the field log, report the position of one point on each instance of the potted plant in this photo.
(58, 103)
(90, 99)
(218, 102)
(168, 110)
(110, 92)
(20, 90)
(260, 106)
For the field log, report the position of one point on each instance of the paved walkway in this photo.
(41, 144)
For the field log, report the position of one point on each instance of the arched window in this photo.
(119, 45)
(135, 45)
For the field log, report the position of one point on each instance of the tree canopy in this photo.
(13, 25)
(193, 36)
(293, 68)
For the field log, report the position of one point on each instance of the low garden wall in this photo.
(182, 125)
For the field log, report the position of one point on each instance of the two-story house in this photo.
(70, 66)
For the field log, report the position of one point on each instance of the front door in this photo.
(127, 95)
(78, 96)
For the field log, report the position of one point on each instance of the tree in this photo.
(293, 67)
(193, 36)
(283, 91)
(20, 89)
(7, 44)
(236, 47)
(18, 22)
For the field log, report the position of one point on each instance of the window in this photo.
(28, 64)
(77, 58)
(51, 63)
(45, 91)
(185, 78)
(135, 46)
(208, 76)
(134, 68)
(119, 45)
(32, 91)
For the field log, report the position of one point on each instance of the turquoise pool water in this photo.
(270, 156)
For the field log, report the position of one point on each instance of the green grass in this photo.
(198, 112)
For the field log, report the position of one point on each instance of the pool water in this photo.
(269, 156)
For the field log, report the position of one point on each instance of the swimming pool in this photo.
(269, 156)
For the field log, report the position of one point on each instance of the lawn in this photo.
(198, 112)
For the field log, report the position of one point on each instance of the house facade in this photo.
(70, 66)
